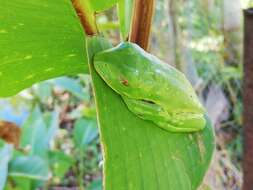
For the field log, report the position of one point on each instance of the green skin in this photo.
(151, 89)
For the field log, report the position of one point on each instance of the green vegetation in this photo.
(60, 144)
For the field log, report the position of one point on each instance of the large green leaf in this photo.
(39, 39)
(140, 155)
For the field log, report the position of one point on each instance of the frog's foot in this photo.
(176, 122)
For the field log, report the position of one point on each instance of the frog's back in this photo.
(174, 90)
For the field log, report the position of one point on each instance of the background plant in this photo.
(199, 50)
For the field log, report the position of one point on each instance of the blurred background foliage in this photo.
(59, 145)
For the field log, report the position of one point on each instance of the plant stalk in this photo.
(141, 22)
(86, 16)
(248, 100)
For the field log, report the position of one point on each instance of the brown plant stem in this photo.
(141, 23)
(248, 100)
(86, 16)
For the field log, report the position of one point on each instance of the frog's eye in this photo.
(124, 82)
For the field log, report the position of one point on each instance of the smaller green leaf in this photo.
(85, 131)
(2, 143)
(103, 26)
(125, 8)
(39, 141)
(5, 155)
(101, 5)
(27, 128)
(52, 124)
(96, 185)
(31, 167)
(71, 85)
(35, 133)
(20, 184)
(43, 91)
(60, 163)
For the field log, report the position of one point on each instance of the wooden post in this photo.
(248, 100)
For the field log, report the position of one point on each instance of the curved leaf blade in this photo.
(30, 167)
(39, 40)
(5, 156)
(140, 155)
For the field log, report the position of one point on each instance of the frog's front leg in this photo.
(144, 109)
(173, 122)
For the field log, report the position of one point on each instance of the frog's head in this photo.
(117, 66)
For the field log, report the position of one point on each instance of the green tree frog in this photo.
(151, 89)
